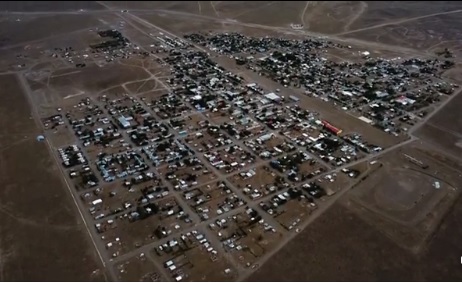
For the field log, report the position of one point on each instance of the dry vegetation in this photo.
(40, 224)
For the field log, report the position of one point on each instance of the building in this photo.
(294, 98)
(273, 97)
(331, 128)
(123, 122)
(364, 119)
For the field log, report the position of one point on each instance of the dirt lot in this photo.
(31, 28)
(383, 12)
(108, 76)
(408, 206)
(449, 117)
(139, 268)
(29, 6)
(142, 86)
(174, 21)
(293, 212)
(168, 5)
(444, 129)
(355, 251)
(339, 181)
(39, 219)
(287, 13)
(431, 33)
(324, 17)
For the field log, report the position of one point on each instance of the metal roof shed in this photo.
(123, 122)
(272, 96)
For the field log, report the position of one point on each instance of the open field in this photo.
(30, 6)
(432, 34)
(31, 28)
(186, 6)
(409, 206)
(287, 13)
(40, 225)
(355, 251)
(142, 86)
(108, 76)
(444, 129)
(139, 268)
(316, 16)
(378, 13)
(176, 22)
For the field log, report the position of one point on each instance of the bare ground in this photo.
(341, 246)
(41, 235)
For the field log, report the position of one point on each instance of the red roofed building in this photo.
(331, 128)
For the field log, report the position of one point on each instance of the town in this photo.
(208, 174)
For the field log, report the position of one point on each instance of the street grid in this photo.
(202, 226)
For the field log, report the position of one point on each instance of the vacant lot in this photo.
(139, 268)
(277, 13)
(34, 6)
(184, 6)
(378, 12)
(94, 79)
(317, 16)
(444, 130)
(432, 33)
(30, 28)
(405, 201)
(39, 223)
(340, 245)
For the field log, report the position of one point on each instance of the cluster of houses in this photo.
(72, 156)
(260, 146)
(378, 90)
(241, 233)
(110, 46)
(274, 205)
(167, 151)
(230, 158)
(211, 200)
(179, 265)
(120, 165)
(240, 124)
